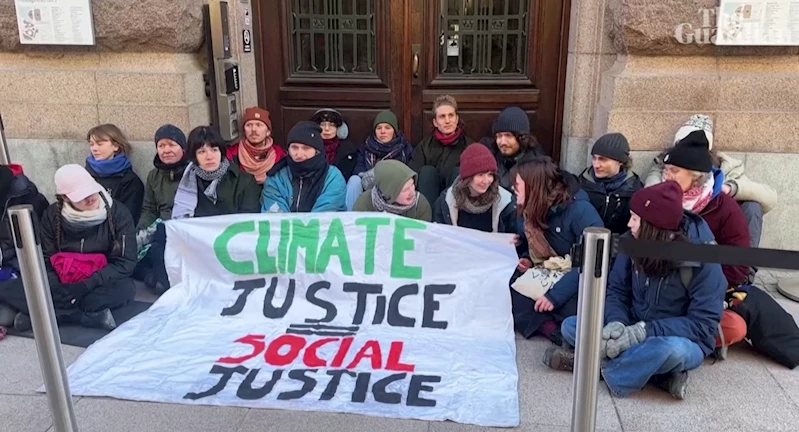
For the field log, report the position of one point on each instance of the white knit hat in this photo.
(696, 122)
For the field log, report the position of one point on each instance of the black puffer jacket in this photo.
(505, 164)
(22, 191)
(98, 239)
(125, 187)
(613, 207)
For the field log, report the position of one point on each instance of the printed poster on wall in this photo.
(365, 313)
(55, 22)
(758, 22)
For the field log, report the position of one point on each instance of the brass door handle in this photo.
(416, 65)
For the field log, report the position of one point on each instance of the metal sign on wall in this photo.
(55, 22)
(758, 22)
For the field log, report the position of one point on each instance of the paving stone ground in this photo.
(747, 392)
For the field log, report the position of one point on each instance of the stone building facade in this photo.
(634, 66)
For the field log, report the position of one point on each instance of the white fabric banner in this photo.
(364, 313)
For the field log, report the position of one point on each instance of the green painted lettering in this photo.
(266, 264)
(283, 245)
(335, 244)
(305, 237)
(371, 224)
(400, 245)
(222, 253)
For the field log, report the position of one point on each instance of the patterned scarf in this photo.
(331, 147)
(698, 197)
(186, 196)
(382, 205)
(257, 160)
(394, 149)
(540, 249)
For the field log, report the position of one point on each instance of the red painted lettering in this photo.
(258, 346)
(371, 350)
(310, 358)
(293, 342)
(394, 362)
(346, 343)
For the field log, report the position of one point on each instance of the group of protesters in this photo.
(106, 228)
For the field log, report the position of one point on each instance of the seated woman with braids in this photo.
(89, 246)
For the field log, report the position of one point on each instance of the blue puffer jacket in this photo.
(664, 303)
(278, 193)
(566, 225)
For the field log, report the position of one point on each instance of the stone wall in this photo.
(145, 70)
(642, 67)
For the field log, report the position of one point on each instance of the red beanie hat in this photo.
(477, 159)
(256, 113)
(660, 205)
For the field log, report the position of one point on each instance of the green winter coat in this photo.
(159, 195)
(431, 152)
(390, 177)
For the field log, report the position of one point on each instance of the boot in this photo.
(7, 315)
(22, 323)
(559, 359)
(676, 383)
(102, 320)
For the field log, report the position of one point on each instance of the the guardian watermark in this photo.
(688, 33)
(744, 25)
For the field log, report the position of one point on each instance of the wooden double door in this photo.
(364, 56)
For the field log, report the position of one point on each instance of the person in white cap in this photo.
(89, 247)
(755, 199)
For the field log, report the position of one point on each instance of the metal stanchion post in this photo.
(45, 329)
(5, 159)
(590, 319)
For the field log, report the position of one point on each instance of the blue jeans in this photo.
(632, 369)
(753, 212)
(354, 190)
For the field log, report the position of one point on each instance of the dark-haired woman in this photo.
(339, 151)
(89, 245)
(553, 215)
(476, 200)
(211, 185)
(661, 318)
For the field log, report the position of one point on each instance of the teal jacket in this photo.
(278, 193)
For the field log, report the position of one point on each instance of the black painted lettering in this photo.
(431, 305)
(227, 374)
(379, 390)
(271, 311)
(246, 287)
(248, 392)
(395, 318)
(363, 291)
(330, 308)
(418, 385)
(380, 310)
(332, 386)
(361, 387)
(308, 384)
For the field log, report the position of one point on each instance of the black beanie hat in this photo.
(691, 153)
(171, 132)
(614, 146)
(6, 179)
(512, 119)
(308, 133)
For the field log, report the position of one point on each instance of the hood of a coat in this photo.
(390, 177)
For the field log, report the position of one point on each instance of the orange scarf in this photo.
(257, 161)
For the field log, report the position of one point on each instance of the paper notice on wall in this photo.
(758, 22)
(55, 22)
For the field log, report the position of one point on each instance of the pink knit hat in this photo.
(75, 182)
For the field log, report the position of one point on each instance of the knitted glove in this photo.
(612, 330)
(367, 179)
(632, 335)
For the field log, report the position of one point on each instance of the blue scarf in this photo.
(108, 167)
(611, 184)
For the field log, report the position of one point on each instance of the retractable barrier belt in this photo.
(709, 253)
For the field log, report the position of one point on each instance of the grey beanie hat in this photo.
(614, 146)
